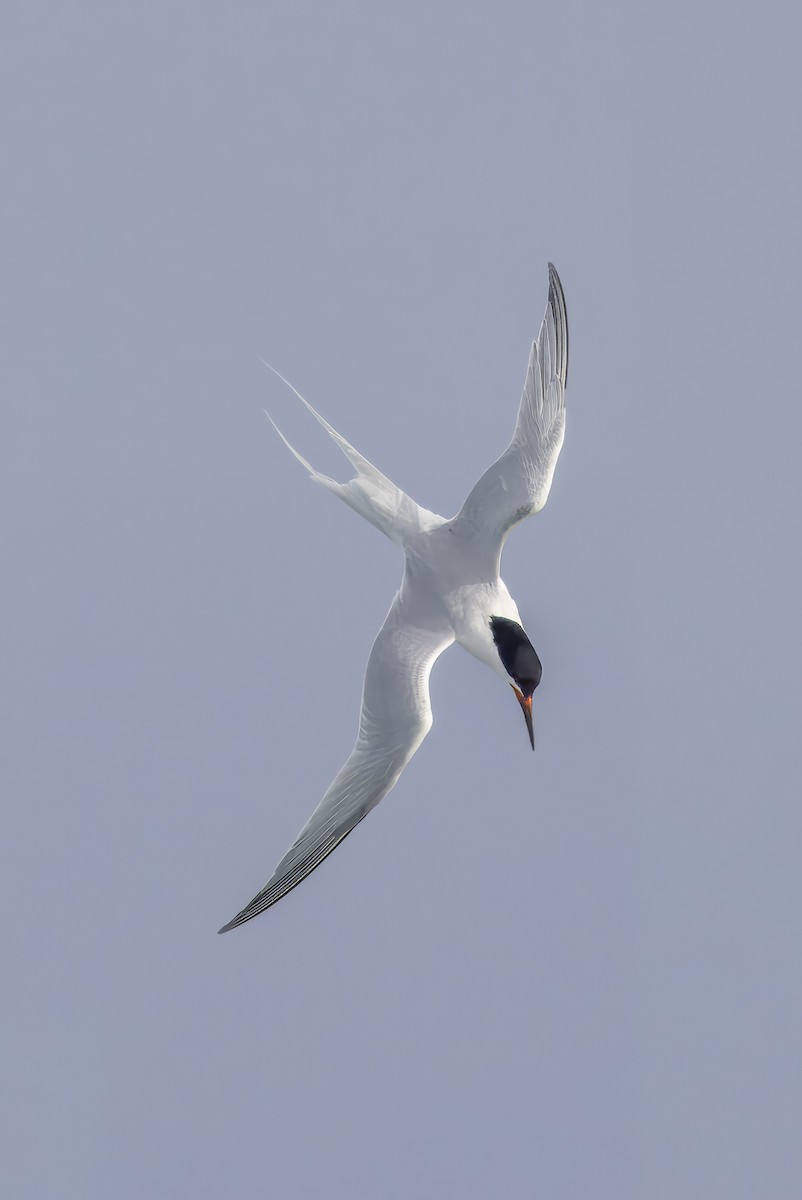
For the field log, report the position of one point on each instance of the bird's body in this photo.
(451, 590)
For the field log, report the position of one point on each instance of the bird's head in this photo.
(520, 662)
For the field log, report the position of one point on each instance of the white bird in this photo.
(451, 591)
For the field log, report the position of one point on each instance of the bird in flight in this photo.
(451, 591)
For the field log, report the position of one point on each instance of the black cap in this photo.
(517, 654)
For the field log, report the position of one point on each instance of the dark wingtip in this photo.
(240, 918)
(558, 307)
(249, 911)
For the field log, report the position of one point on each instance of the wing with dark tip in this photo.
(395, 718)
(518, 484)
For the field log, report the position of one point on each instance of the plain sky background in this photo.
(564, 975)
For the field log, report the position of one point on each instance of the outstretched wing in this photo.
(395, 718)
(518, 484)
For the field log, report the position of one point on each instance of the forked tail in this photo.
(370, 493)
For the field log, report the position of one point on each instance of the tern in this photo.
(451, 591)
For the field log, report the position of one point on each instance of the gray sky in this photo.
(564, 975)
